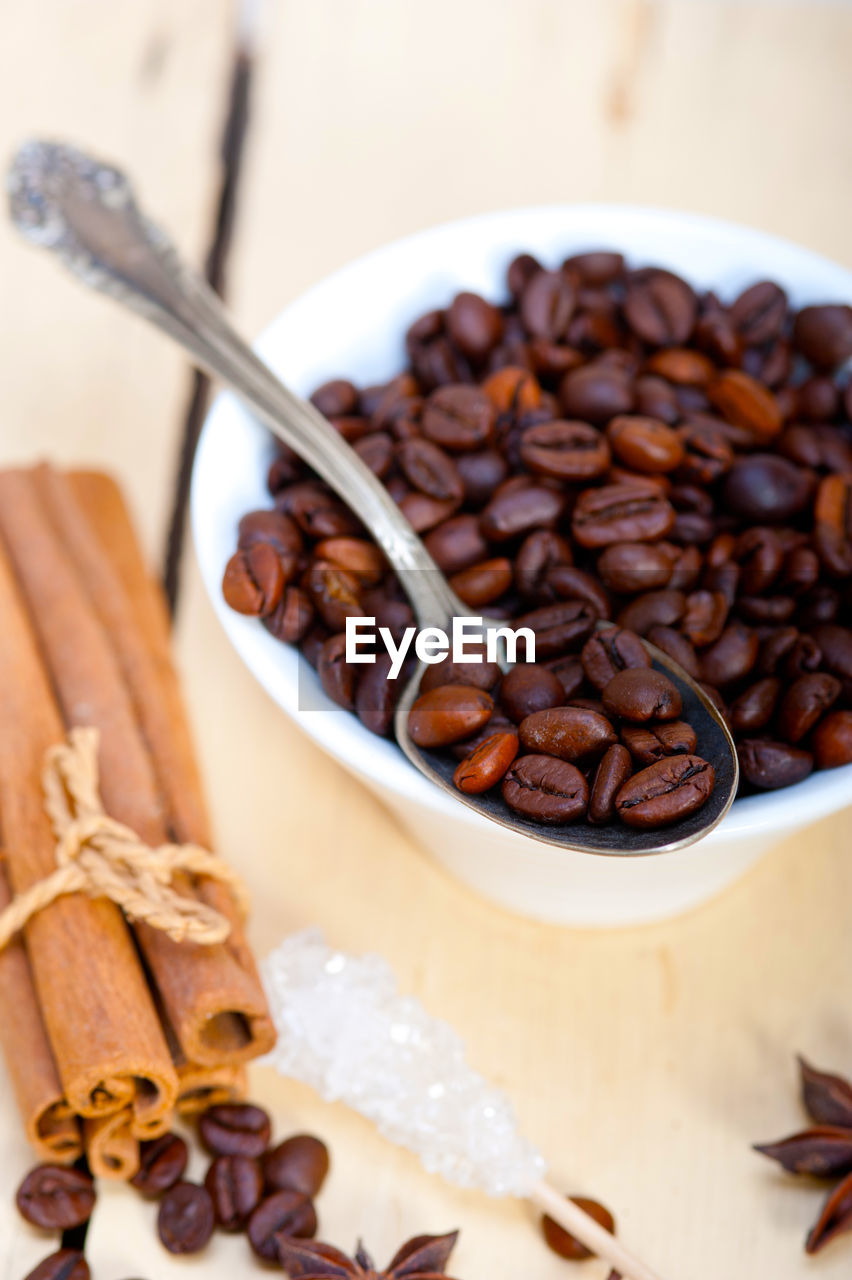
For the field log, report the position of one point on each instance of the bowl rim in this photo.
(279, 668)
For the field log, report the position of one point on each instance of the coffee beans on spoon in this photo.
(607, 442)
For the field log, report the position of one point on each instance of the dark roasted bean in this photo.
(539, 552)
(339, 678)
(481, 473)
(486, 764)
(559, 628)
(769, 765)
(645, 444)
(430, 470)
(746, 403)
(731, 657)
(479, 673)
(254, 580)
(290, 1212)
(336, 398)
(377, 695)
(595, 393)
(235, 1186)
(758, 314)
(273, 527)
(458, 418)
(570, 583)
(186, 1220)
(545, 789)
(474, 325)
(65, 1264)
(641, 693)
(526, 689)
(571, 733)
(631, 567)
(824, 335)
(568, 450)
(659, 307)
(653, 609)
(610, 651)
(457, 544)
(755, 706)
(235, 1129)
(162, 1163)
(665, 792)
(648, 743)
(833, 524)
(300, 1163)
(621, 513)
(547, 304)
(448, 714)
(610, 776)
(517, 511)
(570, 674)
(481, 584)
(676, 646)
(804, 702)
(56, 1198)
(832, 740)
(704, 617)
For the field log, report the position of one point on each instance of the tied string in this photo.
(102, 858)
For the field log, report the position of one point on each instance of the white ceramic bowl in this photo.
(352, 325)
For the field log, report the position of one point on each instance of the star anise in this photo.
(421, 1258)
(822, 1151)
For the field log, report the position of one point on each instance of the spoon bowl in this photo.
(85, 212)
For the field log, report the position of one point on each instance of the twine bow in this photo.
(102, 858)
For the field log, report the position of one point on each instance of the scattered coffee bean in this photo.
(56, 1198)
(186, 1219)
(613, 771)
(65, 1264)
(290, 1212)
(235, 1129)
(235, 1186)
(546, 789)
(300, 1163)
(641, 693)
(768, 765)
(665, 792)
(162, 1163)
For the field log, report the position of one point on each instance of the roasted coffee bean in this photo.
(657, 398)
(707, 455)
(481, 473)
(235, 1129)
(457, 544)
(518, 511)
(833, 524)
(559, 627)
(486, 764)
(292, 619)
(513, 391)
(653, 609)
(547, 304)
(804, 702)
(677, 647)
(764, 488)
(162, 1163)
(621, 513)
(566, 1245)
(273, 528)
(448, 714)
(595, 393)
(610, 651)
(430, 470)
(186, 1219)
(641, 693)
(571, 583)
(335, 398)
(610, 776)
(300, 1163)
(759, 312)
(595, 268)
(458, 419)
(571, 733)
(339, 678)
(65, 1264)
(645, 444)
(804, 656)
(835, 645)
(746, 403)
(823, 334)
(769, 765)
(659, 307)
(755, 706)
(526, 689)
(481, 584)
(651, 742)
(317, 511)
(682, 365)
(56, 1198)
(289, 1212)
(632, 567)
(704, 617)
(423, 512)
(570, 674)
(377, 696)
(665, 792)
(567, 450)
(731, 657)
(545, 789)
(473, 325)
(832, 740)
(538, 554)
(480, 673)
(235, 1186)
(254, 580)
(335, 594)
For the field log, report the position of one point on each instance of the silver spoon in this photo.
(84, 211)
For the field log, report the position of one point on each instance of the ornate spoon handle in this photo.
(85, 212)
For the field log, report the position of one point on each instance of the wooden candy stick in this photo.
(94, 525)
(111, 1149)
(590, 1233)
(50, 1125)
(107, 1042)
(208, 997)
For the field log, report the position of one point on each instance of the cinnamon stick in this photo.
(209, 999)
(111, 1149)
(49, 1123)
(108, 1045)
(203, 1087)
(94, 525)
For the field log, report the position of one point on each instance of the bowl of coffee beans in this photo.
(590, 414)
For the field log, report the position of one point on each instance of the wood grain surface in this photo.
(644, 1062)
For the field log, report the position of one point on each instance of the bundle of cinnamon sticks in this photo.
(108, 1028)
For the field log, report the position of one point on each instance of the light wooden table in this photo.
(643, 1062)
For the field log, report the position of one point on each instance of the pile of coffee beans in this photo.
(611, 440)
(265, 1191)
(600, 732)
